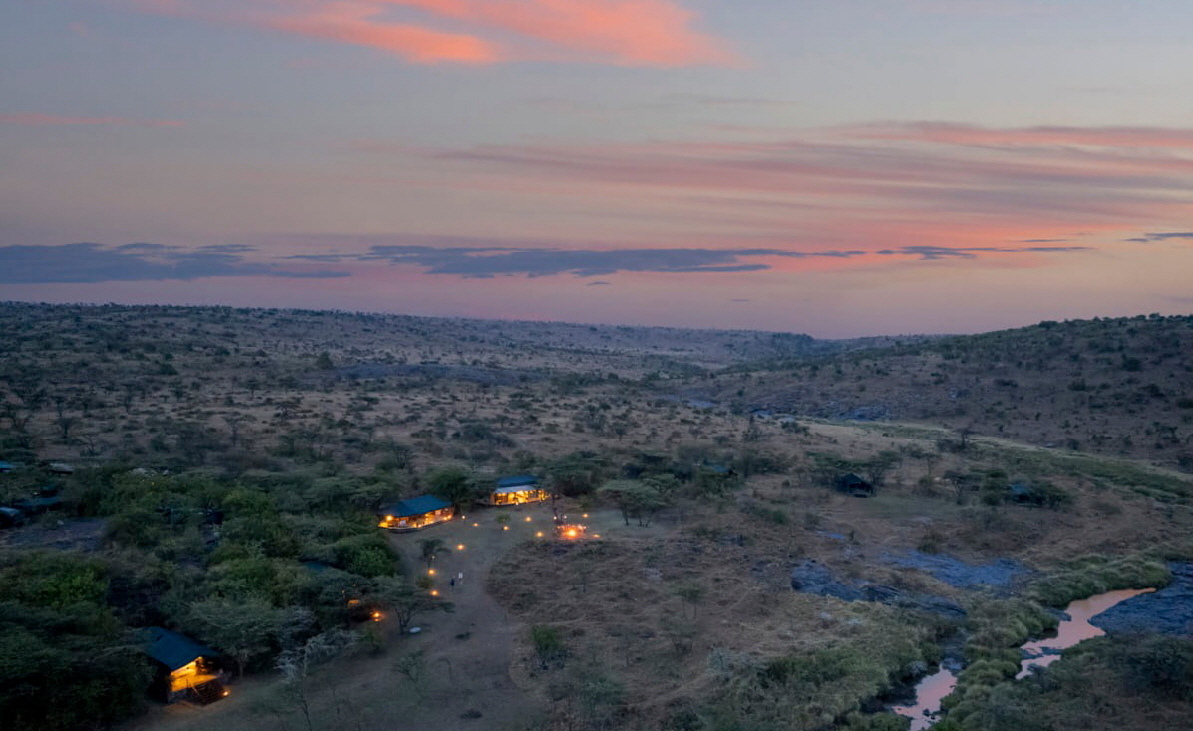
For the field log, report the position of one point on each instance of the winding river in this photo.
(1039, 653)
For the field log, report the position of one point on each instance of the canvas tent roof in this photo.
(516, 488)
(516, 481)
(416, 506)
(38, 504)
(175, 650)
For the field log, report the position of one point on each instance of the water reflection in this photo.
(928, 694)
(933, 688)
(1074, 629)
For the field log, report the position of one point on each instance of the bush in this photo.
(548, 645)
(1160, 665)
(366, 554)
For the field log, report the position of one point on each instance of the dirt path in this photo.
(469, 650)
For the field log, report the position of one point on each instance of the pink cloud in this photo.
(653, 33)
(36, 119)
(627, 32)
(357, 24)
(964, 134)
(838, 189)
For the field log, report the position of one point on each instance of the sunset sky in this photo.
(833, 167)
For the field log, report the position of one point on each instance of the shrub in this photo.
(548, 645)
(1161, 665)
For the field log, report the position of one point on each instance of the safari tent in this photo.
(517, 490)
(186, 669)
(414, 513)
(854, 485)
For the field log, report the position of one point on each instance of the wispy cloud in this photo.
(37, 119)
(1148, 238)
(965, 134)
(489, 262)
(487, 258)
(931, 253)
(905, 184)
(88, 262)
(656, 33)
(362, 24)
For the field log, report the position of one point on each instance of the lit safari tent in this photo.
(187, 670)
(517, 490)
(414, 513)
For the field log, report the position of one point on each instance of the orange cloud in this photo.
(655, 33)
(357, 24)
(36, 119)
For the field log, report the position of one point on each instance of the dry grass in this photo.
(682, 617)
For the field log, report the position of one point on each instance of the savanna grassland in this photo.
(228, 463)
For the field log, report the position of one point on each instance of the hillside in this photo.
(228, 466)
(1119, 386)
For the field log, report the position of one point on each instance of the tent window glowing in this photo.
(517, 491)
(415, 513)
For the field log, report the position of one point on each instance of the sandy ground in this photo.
(472, 644)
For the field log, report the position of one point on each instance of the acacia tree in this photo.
(429, 548)
(454, 484)
(243, 630)
(296, 662)
(404, 601)
(634, 498)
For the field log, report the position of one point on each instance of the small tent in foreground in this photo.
(855, 485)
(414, 513)
(186, 669)
(517, 490)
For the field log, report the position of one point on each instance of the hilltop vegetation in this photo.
(1120, 386)
(228, 464)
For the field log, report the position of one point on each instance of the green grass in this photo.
(1090, 575)
(823, 686)
(1110, 472)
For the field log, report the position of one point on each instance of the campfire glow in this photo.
(571, 531)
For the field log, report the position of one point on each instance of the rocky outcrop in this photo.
(1167, 611)
(811, 577)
